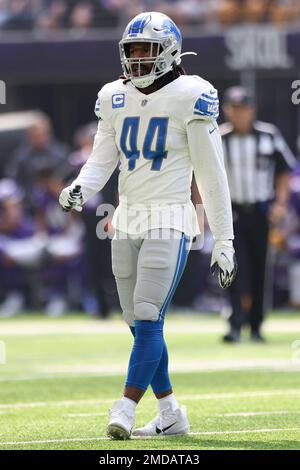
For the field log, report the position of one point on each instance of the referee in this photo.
(258, 162)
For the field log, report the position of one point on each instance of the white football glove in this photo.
(223, 262)
(71, 198)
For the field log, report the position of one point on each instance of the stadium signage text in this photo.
(2, 92)
(296, 93)
(257, 48)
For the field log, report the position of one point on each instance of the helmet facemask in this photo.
(133, 67)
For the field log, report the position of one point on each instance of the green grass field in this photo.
(62, 375)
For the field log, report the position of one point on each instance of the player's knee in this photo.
(145, 311)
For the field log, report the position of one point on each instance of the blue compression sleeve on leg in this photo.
(146, 353)
(161, 380)
(132, 329)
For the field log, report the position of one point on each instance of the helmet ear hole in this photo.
(162, 65)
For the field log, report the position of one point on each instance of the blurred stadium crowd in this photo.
(53, 15)
(49, 258)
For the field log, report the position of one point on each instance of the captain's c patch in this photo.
(118, 100)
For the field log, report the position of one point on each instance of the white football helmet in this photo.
(153, 28)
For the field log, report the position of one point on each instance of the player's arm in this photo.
(206, 153)
(207, 158)
(96, 171)
(100, 164)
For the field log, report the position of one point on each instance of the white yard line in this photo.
(83, 415)
(242, 431)
(233, 395)
(193, 324)
(91, 439)
(204, 396)
(256, 413)
(218, 415)
(54, 441)
(43, 404)
(64, 375)
(182, 367)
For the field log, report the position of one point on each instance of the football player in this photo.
(161, 124)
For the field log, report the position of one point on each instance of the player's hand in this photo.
(223, 262)
(71, 198)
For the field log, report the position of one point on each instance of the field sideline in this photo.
(62, 375)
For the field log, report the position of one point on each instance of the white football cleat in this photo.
(121, 421)
(167, 423)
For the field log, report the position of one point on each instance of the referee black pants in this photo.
(250, 243)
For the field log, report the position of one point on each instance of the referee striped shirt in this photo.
(253, 160)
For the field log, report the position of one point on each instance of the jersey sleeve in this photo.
(101, 162)
(206, 153)
(98, 107)
(103, 104)
(203, 104)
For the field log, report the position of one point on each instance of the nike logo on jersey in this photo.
(158, 431)
(212, 130)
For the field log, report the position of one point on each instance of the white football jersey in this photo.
(148, 135)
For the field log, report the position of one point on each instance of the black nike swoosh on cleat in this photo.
(158, 431)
